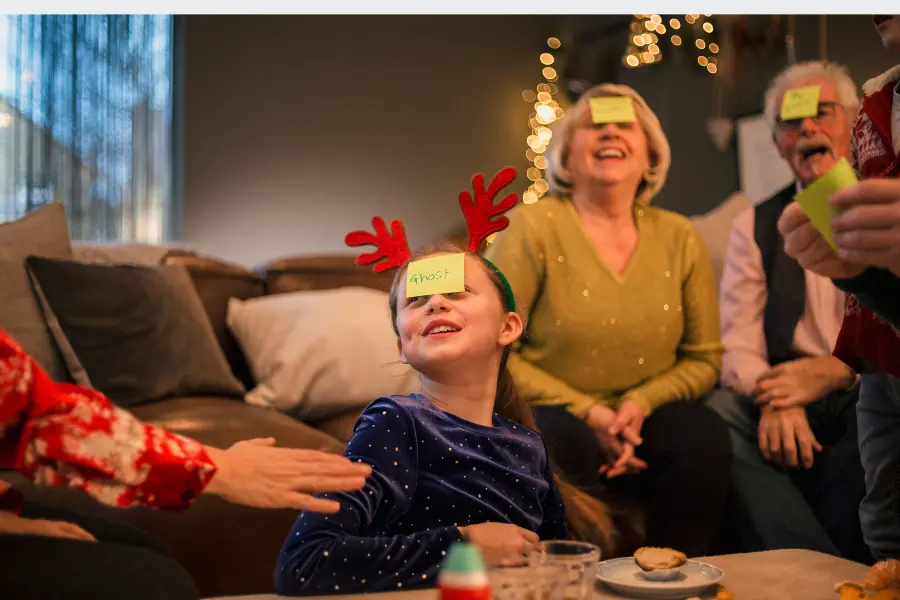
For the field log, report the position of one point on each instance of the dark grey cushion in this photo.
(140, 332)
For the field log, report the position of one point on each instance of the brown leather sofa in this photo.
(228, 549)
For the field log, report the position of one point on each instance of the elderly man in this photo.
(785, 397)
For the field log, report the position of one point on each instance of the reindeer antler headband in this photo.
(483, 218)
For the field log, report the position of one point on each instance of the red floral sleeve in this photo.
(62, 434)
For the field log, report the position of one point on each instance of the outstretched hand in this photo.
(256, 473)
(805, 244)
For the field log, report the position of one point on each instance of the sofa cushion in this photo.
(42, 232)
(316, 354)
(339, 425)
(218, 281)
(128, 253)
(217, 422)
(140, 332)
(714, 228)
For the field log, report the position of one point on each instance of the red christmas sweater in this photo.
(61, 434)
(867, 336)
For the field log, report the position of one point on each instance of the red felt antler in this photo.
(391, 246)
(482, 212)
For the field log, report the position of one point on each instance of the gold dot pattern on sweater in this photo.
(610, 320)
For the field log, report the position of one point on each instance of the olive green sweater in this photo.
(650, 334)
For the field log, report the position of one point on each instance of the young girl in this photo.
(460, 460)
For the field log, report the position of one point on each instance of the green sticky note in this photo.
(441, 274)
(814, 199)
(801, 102)
(612, 109)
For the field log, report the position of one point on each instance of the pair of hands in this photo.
(618, 433)
(784, 434)
(866, 231)
(252, 473)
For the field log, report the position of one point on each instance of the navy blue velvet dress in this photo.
(432, 472)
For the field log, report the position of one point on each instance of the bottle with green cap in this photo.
(463, 575)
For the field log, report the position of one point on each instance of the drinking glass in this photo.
(526, 582)
(579, 561)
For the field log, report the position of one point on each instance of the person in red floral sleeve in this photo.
(867, 265)
(64, 435)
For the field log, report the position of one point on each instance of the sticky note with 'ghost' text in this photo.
(814, 199)
(442, 274)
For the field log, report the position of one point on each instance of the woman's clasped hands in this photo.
(618, 434)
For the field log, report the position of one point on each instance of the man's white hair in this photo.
(837, 74)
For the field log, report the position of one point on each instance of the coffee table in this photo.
(774, 575)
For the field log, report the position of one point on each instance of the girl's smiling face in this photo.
(455, 328)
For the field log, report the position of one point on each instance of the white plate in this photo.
(622, 575)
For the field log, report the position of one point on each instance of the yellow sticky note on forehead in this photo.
(612, 109)
(801, 102)
(443, 274)
(814, 199)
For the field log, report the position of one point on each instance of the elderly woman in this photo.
(622, 337)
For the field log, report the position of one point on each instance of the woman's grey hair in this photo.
(847, 95)
(558, 175)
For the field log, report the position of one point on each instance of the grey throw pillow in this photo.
(140, 332)
(42, 232)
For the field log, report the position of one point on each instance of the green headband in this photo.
(510, 298)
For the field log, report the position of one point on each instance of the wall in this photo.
(682, 95)
(299, 129)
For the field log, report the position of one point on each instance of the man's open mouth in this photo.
(816, 151)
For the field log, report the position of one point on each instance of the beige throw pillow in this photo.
(42, 232)
(316, 354)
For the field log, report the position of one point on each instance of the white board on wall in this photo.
(761, 170)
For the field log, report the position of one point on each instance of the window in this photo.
(86, 120)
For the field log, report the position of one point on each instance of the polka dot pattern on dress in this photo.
(400, 526)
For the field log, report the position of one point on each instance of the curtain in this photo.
(86, 120)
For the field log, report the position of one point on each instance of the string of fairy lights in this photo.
(546, 112)
(644, 48)
(697, 33)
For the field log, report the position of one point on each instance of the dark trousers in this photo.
(813, 509)
(123, 564)
(684, 488)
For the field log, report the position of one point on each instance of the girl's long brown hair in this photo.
(588, 518)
